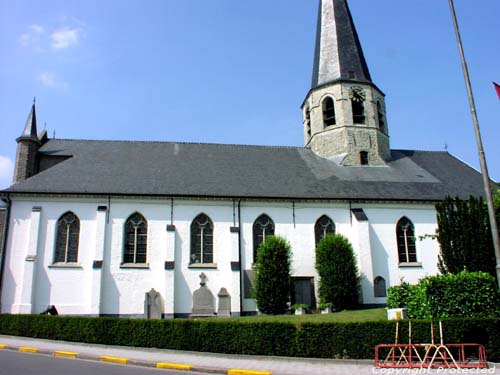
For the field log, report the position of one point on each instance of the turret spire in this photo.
(338, 54)
(30, 130)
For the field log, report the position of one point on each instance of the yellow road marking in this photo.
(173, 366)
(27, 349)
(239, 371)
(60, 353)
(107, 358)
(3, 346)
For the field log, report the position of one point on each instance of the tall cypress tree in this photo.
(465, 236)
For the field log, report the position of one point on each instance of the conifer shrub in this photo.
(338, 272)
(272, 275)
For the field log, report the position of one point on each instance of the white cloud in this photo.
(50, 79)
(6, 171)
(33, 36)
(65, 37)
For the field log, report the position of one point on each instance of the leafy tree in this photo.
(464, 236)
(338, 272)
(272, 275)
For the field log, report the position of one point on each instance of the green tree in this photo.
(464, 236)
(338, 272)
(272, 275)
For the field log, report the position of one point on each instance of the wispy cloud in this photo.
(50, 79)
(65, 37)
(6, 171)
(33, 36)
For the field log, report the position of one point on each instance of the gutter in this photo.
(239, 257)
(3, 245)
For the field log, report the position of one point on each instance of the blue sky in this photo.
(231, 71)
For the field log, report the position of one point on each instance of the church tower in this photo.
(344, 112)
(28, 145)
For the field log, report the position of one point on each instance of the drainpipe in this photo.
(3, 245)
(239, 257)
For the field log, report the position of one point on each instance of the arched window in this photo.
(363, 158)
(405, 233)
(202, 240)
(136, 239)
(380, 114)
(358, 105)
(67, 238)
(328, 112)
(324, 225)
(263, 227)
(379, 288)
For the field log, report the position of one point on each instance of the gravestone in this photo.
(224, 310)
(203, 300)
(152, 305)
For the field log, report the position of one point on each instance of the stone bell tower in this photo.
(344, 112)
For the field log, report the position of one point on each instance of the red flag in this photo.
(497, 87)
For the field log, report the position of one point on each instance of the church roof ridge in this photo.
(243, 145)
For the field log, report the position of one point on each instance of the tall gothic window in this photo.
(324, 225)
(136, 239)
(202, 240)
(405, 233)
(67, 238)
(380, 114)
(263, 227)
(358, 105)
(328, 111)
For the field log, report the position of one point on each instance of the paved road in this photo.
(15, 363)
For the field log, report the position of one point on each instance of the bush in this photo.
(272, 276)
(319, 340)
(338, 272)
(465, 295)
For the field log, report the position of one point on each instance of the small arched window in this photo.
(202, 240)
(328, 111)
(67, 238)
(263, 227)
(380, 114)
(136, 239)
(405, 233)
(363, 158)
(379, 287)
(324, 225)
(358, 105)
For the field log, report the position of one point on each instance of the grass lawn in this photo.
(368, 315)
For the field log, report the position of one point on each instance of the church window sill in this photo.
(66, 265)
(203, 265)
(410, 264)
(142, 266)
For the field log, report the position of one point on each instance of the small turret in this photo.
(28, 145)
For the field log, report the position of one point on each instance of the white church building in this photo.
(91, 226)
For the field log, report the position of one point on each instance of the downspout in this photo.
(4, 244)
(239, 257)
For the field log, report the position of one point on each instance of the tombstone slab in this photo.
(224, 310)
(203, 300)
(153, 307)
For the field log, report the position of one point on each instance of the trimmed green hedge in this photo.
(462, 295)
(320, 340)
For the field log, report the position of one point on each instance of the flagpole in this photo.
(482, 158)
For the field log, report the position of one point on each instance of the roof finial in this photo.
(34, 100)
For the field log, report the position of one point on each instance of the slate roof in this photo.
(216, 170)
(338, 54)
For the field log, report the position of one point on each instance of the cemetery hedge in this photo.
(320, 340)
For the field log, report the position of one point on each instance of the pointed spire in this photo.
(30, 130)
(338, 54)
